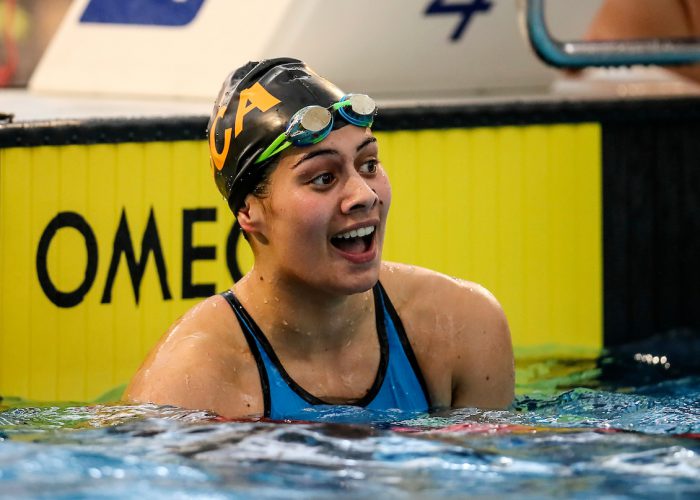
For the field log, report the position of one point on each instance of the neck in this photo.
(295, 314)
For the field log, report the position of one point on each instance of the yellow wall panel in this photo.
(517, 209)
(101, 207)
(43, 329)
(71, 349)
(15, 265)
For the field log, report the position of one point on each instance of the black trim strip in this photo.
(103, 131)
(534, 112)
(384, 352)
(303, 393)
(398, 324)
(475, 114)
(241, 315)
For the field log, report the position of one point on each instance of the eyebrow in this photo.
(314, 154)
(366, 142)
(320, 152)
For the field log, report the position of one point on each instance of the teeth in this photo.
(363, 231)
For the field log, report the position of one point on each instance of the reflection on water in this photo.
(570, 433)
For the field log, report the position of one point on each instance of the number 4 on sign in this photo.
(465, 9)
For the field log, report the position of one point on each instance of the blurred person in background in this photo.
(26, 27)
(648, 19)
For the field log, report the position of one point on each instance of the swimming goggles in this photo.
(312, 124)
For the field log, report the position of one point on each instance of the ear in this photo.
(251, 216)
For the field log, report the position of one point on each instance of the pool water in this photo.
(572, 432)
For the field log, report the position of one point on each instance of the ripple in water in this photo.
(578, 443)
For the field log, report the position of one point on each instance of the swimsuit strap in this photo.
(405, 386)
(398, 384)
(248, 327)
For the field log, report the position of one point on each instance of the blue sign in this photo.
(465, 9)
(144, 12)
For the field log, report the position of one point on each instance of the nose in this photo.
(359, 195)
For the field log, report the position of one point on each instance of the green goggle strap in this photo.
(273, 148)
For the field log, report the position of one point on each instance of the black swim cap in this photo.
(253, 108)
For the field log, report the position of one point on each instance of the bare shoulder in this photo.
(427, 289)
(457, 326)
(201, 362)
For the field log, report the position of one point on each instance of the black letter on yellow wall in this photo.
(76, 221)
(149, 243)
(190, 253)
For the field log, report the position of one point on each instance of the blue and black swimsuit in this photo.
(399, 383)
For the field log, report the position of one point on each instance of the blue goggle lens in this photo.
(361, 110)
(308, 124)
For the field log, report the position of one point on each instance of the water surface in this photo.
(571, 432)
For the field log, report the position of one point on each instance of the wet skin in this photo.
(315, 194)
(310, 292)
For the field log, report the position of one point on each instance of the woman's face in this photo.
(325, 216)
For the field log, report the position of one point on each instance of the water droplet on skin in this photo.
(284, 322)
(265, 301)
(276, 299)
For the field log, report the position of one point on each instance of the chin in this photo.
(359, 287)
(350, 283)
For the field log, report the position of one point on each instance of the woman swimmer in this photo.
(320, 319)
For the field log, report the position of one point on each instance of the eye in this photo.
(325, 179)
(369, 167)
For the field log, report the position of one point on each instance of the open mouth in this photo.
(356, 241)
